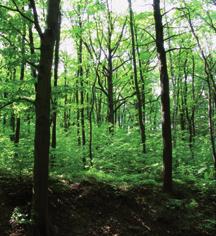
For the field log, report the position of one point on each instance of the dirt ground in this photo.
(95, 209)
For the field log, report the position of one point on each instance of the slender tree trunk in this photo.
(66, 122)
(194, 97)
(165, 99)
(136, 83)
(12, 116)
(98, 107)
(173, 80)
(211, 124)
(143, 97)
(186, 108)
(90, 124)
(55, 103)
(22, 74)
(78, 118)
(80, 75)
(109, 72)
(111, 115)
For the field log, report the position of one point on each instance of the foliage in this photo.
(94, 59)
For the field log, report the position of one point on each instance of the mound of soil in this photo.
(97, 209)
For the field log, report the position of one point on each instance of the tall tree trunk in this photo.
(90, 123)
(174, 83)
(42, 127)
(211, 124)
(98, 108)
(165, 99)
(12, 117)
(137, 89)
(55, 103)
(78, 117)
(186, 108)
(109, 72)
(22, 74)
(80, 76)
(142, 92)
(194, 97)
(82, 111)
(66, 122)
(111, 115)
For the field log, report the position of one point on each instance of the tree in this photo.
(55, 84)
(42, 110)
(137, 89)
(165, 100)
(106, 89)
(209, 67)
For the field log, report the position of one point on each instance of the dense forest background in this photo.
(126, 97)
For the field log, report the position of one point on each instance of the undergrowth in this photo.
(118, 159)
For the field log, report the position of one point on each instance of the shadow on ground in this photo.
(92, 208)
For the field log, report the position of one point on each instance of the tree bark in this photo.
(81, 87)
(42, 127)
(136, 83)
(165, 99)
(55, 103)
(22, 74)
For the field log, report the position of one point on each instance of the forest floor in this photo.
(97, 209)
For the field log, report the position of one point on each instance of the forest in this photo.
(107, 117)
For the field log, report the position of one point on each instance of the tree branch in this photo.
(36, 19)
(20, 99)
(180, 48)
